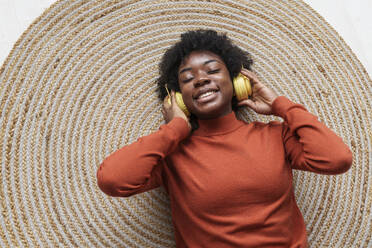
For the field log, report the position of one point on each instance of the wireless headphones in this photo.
(242, 89)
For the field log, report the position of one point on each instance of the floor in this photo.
(352, 19)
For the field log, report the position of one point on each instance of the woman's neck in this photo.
(217, 126)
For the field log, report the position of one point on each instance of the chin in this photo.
(212, 112)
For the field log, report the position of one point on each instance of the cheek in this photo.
(186, 95)
(229, 89)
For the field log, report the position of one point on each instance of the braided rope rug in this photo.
(79, 84)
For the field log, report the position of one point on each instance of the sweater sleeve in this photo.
(309, 144)
(137, 167)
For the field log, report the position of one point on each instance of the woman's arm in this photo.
(309, 144)
(136, 168)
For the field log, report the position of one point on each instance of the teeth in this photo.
(206, 94)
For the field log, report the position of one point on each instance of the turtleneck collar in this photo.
(217, 126)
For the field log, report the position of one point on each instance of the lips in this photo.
(204, 93)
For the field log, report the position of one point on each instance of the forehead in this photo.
(199, 57)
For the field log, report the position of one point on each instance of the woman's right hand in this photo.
(172, 110)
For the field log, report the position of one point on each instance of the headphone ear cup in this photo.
(242, 87)
(180, 103)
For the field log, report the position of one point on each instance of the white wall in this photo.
(353, 21)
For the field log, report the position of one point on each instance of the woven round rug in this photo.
(80, 83)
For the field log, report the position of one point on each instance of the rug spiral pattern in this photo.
(79, 84)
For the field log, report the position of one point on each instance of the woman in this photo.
(229, 182)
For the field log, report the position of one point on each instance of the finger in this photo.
(242, 103)
(244, 72)
(251, 75)
(165, 102)
(247, 72)
(173, 98)
(248, 102)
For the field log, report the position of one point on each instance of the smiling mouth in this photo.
(207, 96)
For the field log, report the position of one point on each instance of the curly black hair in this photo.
(200, 40)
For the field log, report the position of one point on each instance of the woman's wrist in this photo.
(183, 127)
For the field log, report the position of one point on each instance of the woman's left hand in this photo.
(262, 97)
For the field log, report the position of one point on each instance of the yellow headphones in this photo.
(242, 89)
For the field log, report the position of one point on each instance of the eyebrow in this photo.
(206, 62)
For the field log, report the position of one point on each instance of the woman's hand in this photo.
(262, 97)
(172, 110)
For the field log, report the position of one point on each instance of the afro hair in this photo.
(200, 40)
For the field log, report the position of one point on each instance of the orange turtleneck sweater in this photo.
(230, 182)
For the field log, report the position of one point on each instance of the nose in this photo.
(201, 80)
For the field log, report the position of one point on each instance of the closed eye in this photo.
(213, 71)
(187, 80)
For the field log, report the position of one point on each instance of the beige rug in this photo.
(79, 84)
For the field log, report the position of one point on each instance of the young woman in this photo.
(229, 182)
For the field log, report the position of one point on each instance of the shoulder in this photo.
(263, 134)
(272, 128)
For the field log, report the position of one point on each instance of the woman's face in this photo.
(205, 84)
